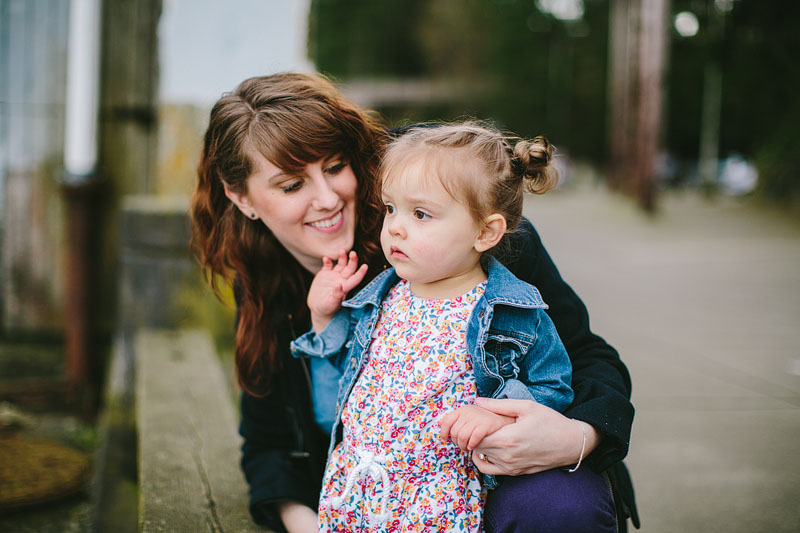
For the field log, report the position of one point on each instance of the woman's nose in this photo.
(325, 198)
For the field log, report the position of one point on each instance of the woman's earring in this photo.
(252, 215)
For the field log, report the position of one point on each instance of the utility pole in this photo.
(638, 55)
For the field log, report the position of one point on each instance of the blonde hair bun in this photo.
(532, 161)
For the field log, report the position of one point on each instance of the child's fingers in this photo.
(355, 278)
(351, 265)
(446, 423)
(460, 433)
(360, 273)
(338, 293)
(327, 264)
(478, 433)
(341, 261)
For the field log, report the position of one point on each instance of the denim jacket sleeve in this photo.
(544, 373)
(600, 379)
(330, 343)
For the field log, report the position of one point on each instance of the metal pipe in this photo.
(80, 180)
(83, 71)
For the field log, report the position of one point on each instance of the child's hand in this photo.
(469, 424)
(330, 286)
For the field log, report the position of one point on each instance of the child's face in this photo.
(429, 237)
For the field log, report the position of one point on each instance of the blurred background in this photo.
(677, 217)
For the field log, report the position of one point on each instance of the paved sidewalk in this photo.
(703, 303)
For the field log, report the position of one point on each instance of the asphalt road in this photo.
(703, 302)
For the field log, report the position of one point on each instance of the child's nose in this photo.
(396, 228)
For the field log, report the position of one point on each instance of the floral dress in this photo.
(391, 472)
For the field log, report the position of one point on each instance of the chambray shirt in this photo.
(515, 350)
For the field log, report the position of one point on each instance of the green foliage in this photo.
(525, 70)
(757, 50)
(534, 74)
(778, 162)
(199, 308)
(356, 38)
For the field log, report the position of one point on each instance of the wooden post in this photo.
(619, 92)
(128, 119)
(652, 52)
(637, 57)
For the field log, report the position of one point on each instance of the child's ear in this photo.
(494, 227)
(241, 201)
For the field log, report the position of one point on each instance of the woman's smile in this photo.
(329, 225)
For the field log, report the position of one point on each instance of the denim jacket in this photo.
(515, 350)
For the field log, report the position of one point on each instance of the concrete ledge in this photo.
(189, 449)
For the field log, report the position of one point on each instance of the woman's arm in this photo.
(277, 454)
(543, 438)
(283, 453)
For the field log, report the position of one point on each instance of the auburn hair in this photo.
(291, 119)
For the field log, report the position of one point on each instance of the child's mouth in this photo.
(397, 253)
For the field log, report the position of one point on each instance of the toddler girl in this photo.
(446, 324)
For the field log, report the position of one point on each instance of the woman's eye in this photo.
(336, 168)
(388, 209)
(420, 215)
(293, 186)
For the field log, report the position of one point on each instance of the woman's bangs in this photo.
(291, 145)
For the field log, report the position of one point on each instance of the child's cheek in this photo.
(429, 253)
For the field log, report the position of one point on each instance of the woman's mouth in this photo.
(328, 224)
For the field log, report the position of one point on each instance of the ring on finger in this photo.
(484, 457)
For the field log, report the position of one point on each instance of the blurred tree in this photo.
(361, 38)
(638, 48)
(525, 69)
(533, 73)
(757, 53)
(760, 108)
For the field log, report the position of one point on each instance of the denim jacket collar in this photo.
(374, 291)
(503, 288)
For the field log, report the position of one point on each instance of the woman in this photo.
(287, 176)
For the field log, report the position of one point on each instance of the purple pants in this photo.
(550, 501)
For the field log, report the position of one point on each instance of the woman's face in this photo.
(311, 213)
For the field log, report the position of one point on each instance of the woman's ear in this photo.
(494, 227)
(241, 201)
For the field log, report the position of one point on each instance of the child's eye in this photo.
(292, 187)
(388, 209)
(420, 215)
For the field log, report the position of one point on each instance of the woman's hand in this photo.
(539, 439)
(298, 518)
(330, 286)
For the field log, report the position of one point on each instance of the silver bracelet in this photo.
(583, 448)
